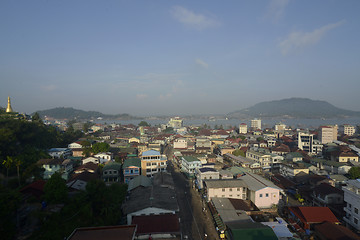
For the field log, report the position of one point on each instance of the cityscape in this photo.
(179, 120)
(177, 181)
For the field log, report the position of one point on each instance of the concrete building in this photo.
(307, 143)
(231, 188)
(256, 124)
(205, 173)
(349, 130)
(189, 164)
(328, 134)
(352, 200)
(152, 162)
(243, 128)
(175, 123)
(263, 159)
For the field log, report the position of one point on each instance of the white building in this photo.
(328, 134)
(352, 200)
(189, 164)
(175, 123)
(180, 143)
(205, 173)
(256, 124)
(349, 130)
(60, 152)
(243, 128)
(307, 143)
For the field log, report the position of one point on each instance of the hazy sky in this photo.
(177, 57)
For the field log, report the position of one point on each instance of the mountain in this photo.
(71, 113)
(294, 108)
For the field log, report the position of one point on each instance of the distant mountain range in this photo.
(294, 108)
(71, 113)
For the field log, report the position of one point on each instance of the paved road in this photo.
(195, 223)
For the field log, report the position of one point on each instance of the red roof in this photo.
(314, 214)
(332, 231)
(164, 223)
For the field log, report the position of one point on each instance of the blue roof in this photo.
(150, 153)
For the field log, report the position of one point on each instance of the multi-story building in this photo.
(226, 188)
(111, 172)
(307, 143)
(256, 124)
(291, 169)
(189, 164)
(152, 162)
(205, 173)
(352, 200)
(131, 168)
(349, 130)
(243, 128)
(175, 123)
(180, 143)
(328, 134)
(264, 159)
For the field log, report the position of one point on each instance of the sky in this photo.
(161, 57)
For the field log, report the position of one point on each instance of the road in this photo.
(195, 222)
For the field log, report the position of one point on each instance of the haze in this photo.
(177, 57)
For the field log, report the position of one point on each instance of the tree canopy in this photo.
(100, 147)
(354, 172)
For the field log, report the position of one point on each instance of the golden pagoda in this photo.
(9, 108)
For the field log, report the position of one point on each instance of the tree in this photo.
(238, 152)
(144, 124)
(55, 189)
(354, 172)
(8, 163)
(18, 163)
(36, 118)
(86, 146)
(100, 147)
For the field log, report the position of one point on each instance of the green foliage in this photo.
(169, 130)
(86, 146)
(238, 152)
(354, 172)
(9, 203)
(100, 147)
(144, 124)
(55, 189)
(259, 139)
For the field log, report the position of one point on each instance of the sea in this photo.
(302, 123)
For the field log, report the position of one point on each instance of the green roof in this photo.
(132, 162)
(112, 165)
(191, 159)
(251, 231)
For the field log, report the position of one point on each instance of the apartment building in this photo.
(243, 128)
(256, 124)
(349, 130)
(352, 200)
(264, 159)
(152, 162)
(226, 188)
(307, 143)
(328, 134)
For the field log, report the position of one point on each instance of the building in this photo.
(228, 188)
(243, 128)
(256, 124)
(108, 232)
(291, 169)
(307, 143)
(152, 162)
(60, 152)
(175, 123)
(352, 200)
(180, 143)
(328, 134)
(205, 173)
(263, 159)
(189, 164)
(131, 168)
(349, 130)
(53, 165)
(111, 172)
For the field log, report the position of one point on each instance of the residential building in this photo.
(328, 134)
(256, 124)
(60, 152)
(331, 231)
(291, 169)
(104, 157)
(349, 130)
(180, 143)
(50, 166)
(225, 188)
(175, 122)
(189, 164)
(203, 145)
(205, 173)
(294, 157)
(111, 172)
(352, 200)
(127, 232)
(308, 217)
(325, 195)
(263, 193)
(264, 159)
(243, 128)
(307, 143)
(131, 168)
(152, 162)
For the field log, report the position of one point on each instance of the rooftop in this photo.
(109, 233)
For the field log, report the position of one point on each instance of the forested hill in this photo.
(294, 107)
(71, 113)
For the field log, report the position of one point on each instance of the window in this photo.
(230, 189)
(260, 195)
(238, 189)
(266, 195)
(356, 220)
(349, 205)
(356, 210)
(223, 189)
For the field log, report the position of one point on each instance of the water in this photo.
(266, 123)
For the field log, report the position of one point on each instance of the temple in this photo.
(9, 108)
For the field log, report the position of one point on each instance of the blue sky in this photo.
(177, 57)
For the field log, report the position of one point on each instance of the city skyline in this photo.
(178, 57)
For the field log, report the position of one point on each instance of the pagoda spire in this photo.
(9, 108)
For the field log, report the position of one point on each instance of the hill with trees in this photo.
(294, 108)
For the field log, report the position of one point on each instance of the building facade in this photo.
(152, 162)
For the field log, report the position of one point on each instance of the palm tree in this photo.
(18, 163)
(8, 163)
